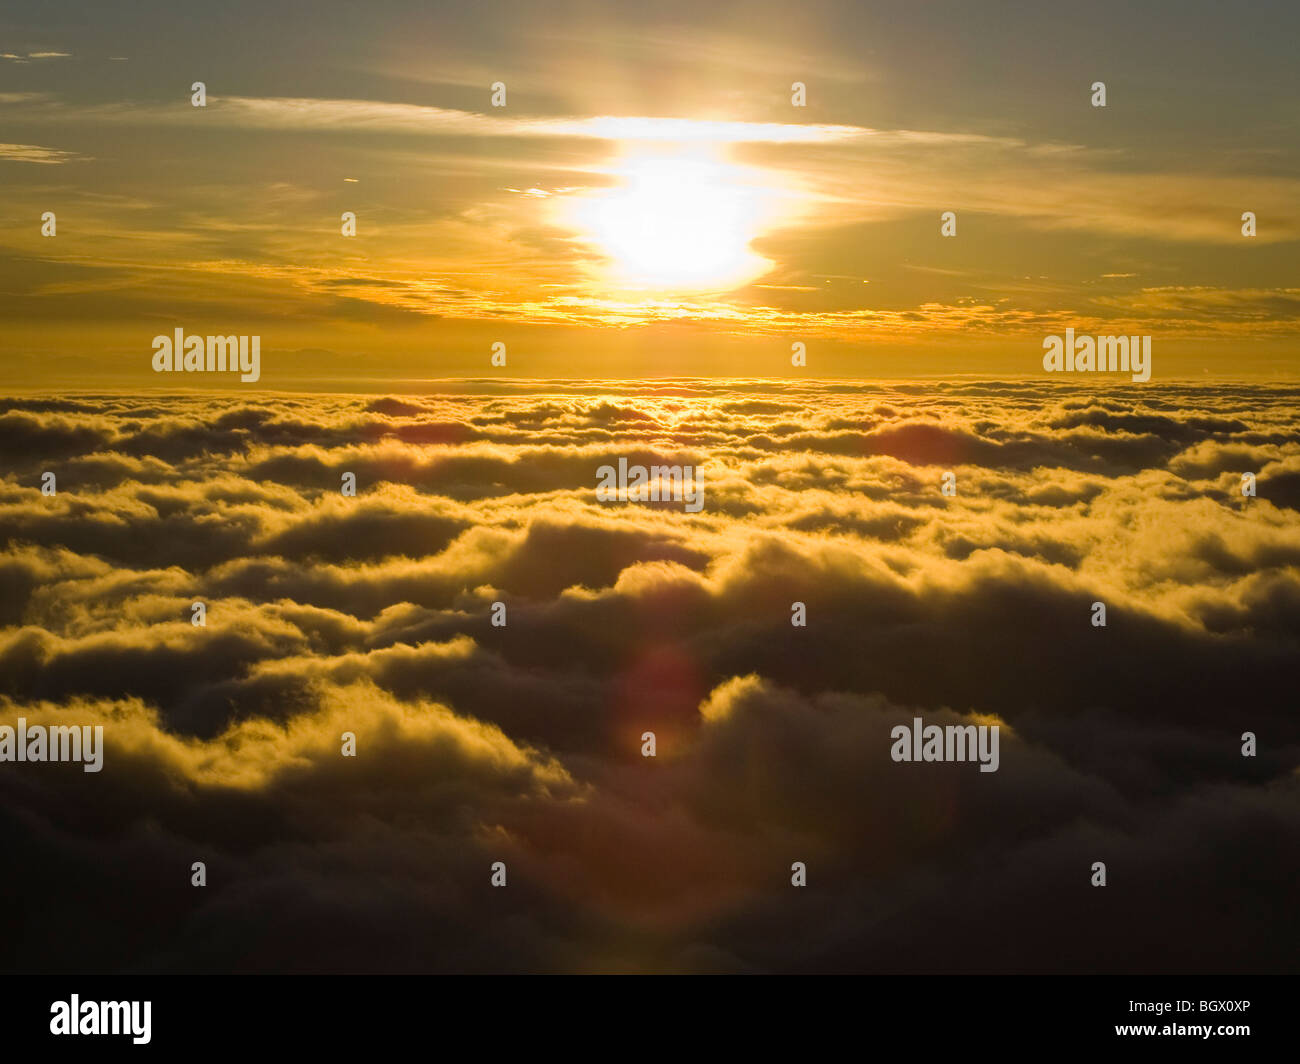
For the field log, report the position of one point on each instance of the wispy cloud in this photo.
(16, 58)
(308, 113)
(34, 153)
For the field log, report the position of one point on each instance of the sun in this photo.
(679, 221)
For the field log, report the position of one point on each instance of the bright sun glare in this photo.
(677, 222)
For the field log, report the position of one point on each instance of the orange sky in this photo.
(650, 200)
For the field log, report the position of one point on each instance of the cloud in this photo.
(522, 743)
(378, 116)
(14, 57)
(33, 153)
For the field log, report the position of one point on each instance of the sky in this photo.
(649, 201)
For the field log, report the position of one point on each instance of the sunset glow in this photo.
(677, 221)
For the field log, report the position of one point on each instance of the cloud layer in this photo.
(372, 615)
